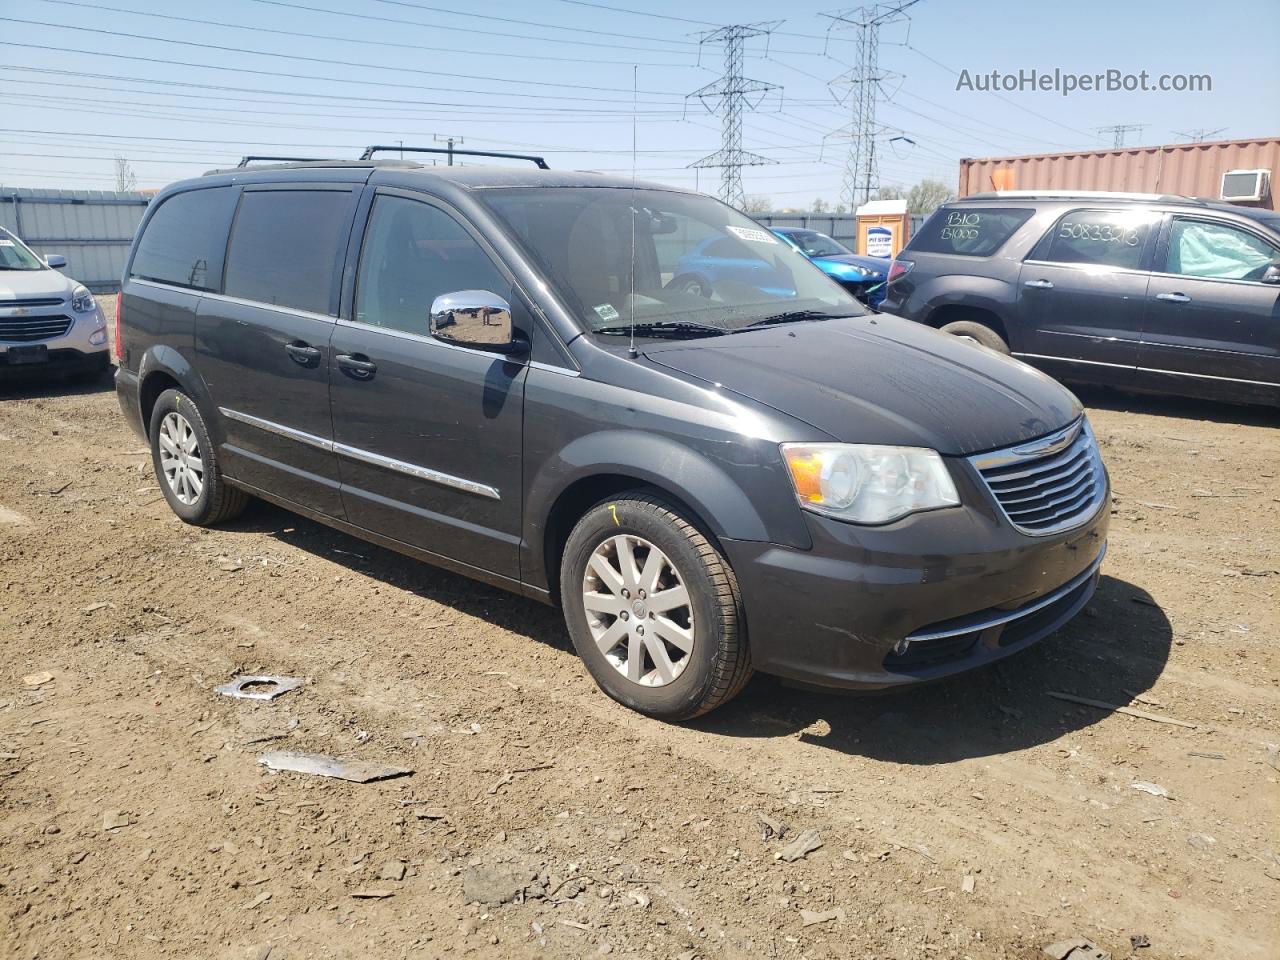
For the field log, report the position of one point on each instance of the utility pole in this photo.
(1118, 131)
(451, 141)
(735, 93)
(1200, 134)
(860, 173)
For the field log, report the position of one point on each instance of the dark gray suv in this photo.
(1157, 293)
(493, 370)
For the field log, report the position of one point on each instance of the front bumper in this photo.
(68, 352)
(59, 361)
(927, 597)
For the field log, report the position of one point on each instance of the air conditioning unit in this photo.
(1245, 186)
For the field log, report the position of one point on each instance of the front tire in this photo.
(978, 333)
(653, 609)
(185, 465)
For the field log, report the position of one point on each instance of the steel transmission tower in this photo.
(1118, 132)
(864, 81)
(736, 94)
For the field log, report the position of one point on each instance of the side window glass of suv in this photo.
(286, 247)
(1200, 248)
(1111, 238)
(414, 252)
(184, 239)
(968, 231)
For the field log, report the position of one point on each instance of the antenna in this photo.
(635, 82)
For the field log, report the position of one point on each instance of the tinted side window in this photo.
(414, 252)
(1113, 238)
(1199, 248)
(184, 239)
(968, 231)
(286, 247)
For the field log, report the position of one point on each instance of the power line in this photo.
(1118, 132)
(150, 15)
(220, 48)
(864, 80)
(1200, 134)
(733, 91)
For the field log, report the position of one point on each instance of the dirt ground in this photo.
(980, 818)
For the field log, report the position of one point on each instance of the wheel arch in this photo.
(163, 368)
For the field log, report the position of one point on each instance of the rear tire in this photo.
(638, 655)
(979, 333)
(185, 465)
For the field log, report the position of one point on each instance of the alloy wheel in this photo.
(180, 458)
(638, 610)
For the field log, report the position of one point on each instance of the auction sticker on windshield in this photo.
(755, 236)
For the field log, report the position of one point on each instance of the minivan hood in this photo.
(879, 379)
(32, 284)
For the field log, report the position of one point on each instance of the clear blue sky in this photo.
(556, 77)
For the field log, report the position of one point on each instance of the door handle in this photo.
(1173, 297)
(303, 354)
(1039, 284)
(356, 366)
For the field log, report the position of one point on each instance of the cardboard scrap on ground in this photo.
(357, 771)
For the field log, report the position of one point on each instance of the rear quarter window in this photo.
(184, 239)
(968, 231)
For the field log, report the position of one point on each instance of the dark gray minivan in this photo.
(491, 370)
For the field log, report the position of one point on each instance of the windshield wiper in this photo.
(793, 316)
(664, 328)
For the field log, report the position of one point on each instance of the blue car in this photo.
(864, 277)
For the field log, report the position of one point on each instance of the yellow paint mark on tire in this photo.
(613, 509)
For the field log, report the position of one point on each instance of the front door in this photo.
(428, 434)
(1082, 291)
(262, 345)
(1211, 321)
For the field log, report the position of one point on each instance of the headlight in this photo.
(82, 300)
(863, 483)
(853, 269)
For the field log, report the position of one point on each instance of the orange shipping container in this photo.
(1190, 169)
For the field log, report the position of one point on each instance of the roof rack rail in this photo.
(245, 161)
(1086, 195)
(539, 162)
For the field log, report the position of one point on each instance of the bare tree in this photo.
(819, 206)
(125, 177)
(888, 193)
(757, 203)
(927, 195)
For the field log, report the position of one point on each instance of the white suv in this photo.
(48, 322)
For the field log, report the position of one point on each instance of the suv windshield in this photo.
(672, 263)
(14, 254)
(816, 244)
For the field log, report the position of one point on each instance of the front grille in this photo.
(30, 329)
(1050, 484)
(32, 302)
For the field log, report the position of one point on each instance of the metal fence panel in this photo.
(91, 228)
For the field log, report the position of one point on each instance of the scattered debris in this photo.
(1152, 788)
(969, 883)
(392, 870)
(431, 813)
(1128, 711)
(800, 847)
(227, 565)
(574, 924)
(1076, 949)
(1138, 940)
(770, 828)
(95, 607)
(616, 834)
(809, 917)
(372, 893)
(38, 679)
(258, 687)
(642, 899)
(1273, 756)
(913, 847)
(498, 884)
(258, 901)
(357, 771)
(114, 820)
(1202, 841)
(1206, 756)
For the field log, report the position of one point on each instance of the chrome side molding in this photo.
(365, 456)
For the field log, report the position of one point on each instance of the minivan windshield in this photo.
(14, 254)
(674, 264)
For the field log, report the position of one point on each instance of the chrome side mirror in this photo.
(474, 318)
(1272, 274)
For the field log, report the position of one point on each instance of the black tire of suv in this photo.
(721, 661)
(218, 501)
(979, 332)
